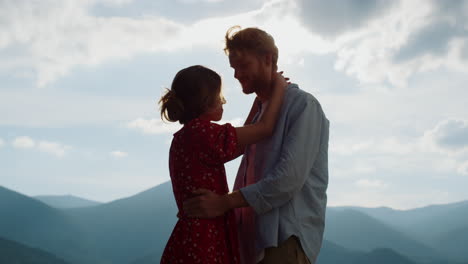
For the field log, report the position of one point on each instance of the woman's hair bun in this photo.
(172, 108)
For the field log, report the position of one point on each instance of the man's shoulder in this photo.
(296, 97)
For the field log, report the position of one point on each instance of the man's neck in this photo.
(264, 92)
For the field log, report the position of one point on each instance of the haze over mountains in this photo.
(65, 201)
(134, 230)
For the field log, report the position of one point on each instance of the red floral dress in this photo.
(196, 160)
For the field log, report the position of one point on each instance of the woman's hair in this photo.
(252, 40)
(193, 90)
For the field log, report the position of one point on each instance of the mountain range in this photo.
(134, 230)
(65, 201)
(13, 252)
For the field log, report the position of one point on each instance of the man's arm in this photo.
(209, 204)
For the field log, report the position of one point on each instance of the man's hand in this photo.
(206, 205)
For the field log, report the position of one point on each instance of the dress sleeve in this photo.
(219, 144)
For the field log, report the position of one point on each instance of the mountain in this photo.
(332, 253)
(117, 232)
(425, 223)
(13, 252)
(454, 243)
(135, 230)
(357, 231)
(35, 224)
(127, 229)
(65, 201)
(382, 256)
(444, 227)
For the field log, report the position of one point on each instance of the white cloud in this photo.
(55, 36)
(53, 148)
(153, 126)
(448, 136)
(114, 2)
(235, 122)
(369, 183)
(2, 142)
(379, 42)
(463, 168)
(118, 154)
(349, 149)
(198, 1)
(157, 126)
(24, 142)
(42, 108)
(65, 34)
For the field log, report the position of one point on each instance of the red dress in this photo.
(196, 160)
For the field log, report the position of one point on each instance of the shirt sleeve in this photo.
(219, 144)
(300, 149)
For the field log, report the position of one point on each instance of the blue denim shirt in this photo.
(290, 197)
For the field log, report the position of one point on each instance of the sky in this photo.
(80, 81)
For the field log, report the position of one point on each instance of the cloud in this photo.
(157, 126)
(114, 2)
(375, 41)
(236, 122)
(200, 1)
(463, 168)
(335, 17)
(54, 148)
(24, 142)
(368, 183)
(49, 108)
(448, 136)
(54, 36)
(118, 154)
(350, 148)
(386, 42)
(432, 39)
(2, 142)
(153, 126)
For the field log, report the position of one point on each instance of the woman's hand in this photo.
(279, 84)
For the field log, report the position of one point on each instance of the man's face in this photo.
(250, 70)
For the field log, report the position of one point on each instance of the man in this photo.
(280, 188)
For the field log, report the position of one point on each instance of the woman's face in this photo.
(215, 112)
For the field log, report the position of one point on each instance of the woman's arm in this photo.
(252, 133)
(253, 110)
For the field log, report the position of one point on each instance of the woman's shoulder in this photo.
(200, 129)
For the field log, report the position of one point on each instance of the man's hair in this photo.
(193, 90)
(252, 40)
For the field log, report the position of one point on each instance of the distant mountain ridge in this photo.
(443, 227)
(66, 201)
(358, 231)
(13, 252)
(35, 224)
(134, 230)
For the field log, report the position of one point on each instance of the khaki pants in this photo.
(288, 252)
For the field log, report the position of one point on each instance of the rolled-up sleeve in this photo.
(299, 150)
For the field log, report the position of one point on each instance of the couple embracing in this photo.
(276, 212)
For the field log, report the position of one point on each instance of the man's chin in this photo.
(247, 90)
